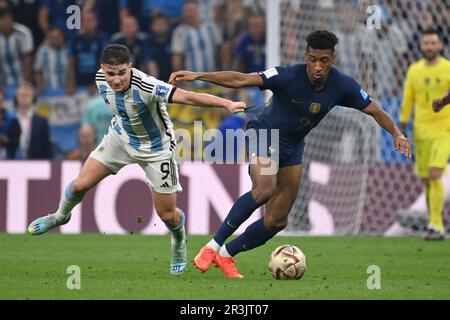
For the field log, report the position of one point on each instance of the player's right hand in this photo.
(236, 106)
(438, 104)
(402, 144)
(182, 75)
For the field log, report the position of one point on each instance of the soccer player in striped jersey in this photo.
(141, 132)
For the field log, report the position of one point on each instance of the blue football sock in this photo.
(73, 196)
(254, 236)
(67, 202)
(241, 211)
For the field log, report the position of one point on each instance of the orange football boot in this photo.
(204, 258)
(228, 266)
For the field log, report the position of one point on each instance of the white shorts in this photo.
(160, 167)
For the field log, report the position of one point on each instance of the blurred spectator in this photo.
(232, 21)
(349, 51)
(195, 43)
(195, 46)
(251, 48)
(290, 42)
(135, 8)
(130, 36)
(159, 47)
(87, 141)
(25, 12)
(54, 13)
(34, 140)
(16, 46)
(9, 132)
(384, 48)
(98, 116)
(65, 114)
(51, 64)
(85, 50)
(107, 12)
(255, 7)
(211, 10)
(172, 9)
(144, 10)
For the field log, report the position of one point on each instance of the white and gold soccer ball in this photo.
(287, 262)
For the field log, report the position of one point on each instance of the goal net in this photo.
(353, 180)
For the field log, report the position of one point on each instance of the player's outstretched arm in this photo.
(385, 121)
(206, 100)
(439, 104)
(229, 79)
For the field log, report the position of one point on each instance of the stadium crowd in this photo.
(50, 107)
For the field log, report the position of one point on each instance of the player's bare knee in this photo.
(167, 215)
(262, 195)
(275, 223)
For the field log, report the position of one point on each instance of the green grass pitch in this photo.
(136, 267)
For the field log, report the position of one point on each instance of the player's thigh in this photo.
(422, 151)
(92, 172)
(288, 183)
(439, 155)
(264, 178)
(263, 164)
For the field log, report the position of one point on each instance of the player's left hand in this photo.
(236, 106)
(438, 104)
(402, 143)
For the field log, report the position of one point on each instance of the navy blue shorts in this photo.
(263, 143)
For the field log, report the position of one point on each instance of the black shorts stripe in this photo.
(174, 173)
(158, 108)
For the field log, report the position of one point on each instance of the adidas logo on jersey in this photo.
(164, 185)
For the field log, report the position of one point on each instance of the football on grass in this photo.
(287, 262)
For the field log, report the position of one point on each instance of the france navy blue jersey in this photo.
(296, 107)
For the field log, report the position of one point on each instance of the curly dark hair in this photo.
(321, 40)
(116, 54)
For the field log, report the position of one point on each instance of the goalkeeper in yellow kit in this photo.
(427, 81)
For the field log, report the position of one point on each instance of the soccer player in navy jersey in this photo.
(302, 95)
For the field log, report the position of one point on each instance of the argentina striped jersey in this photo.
(141, 118)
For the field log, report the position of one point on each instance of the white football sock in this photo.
(213, 245)
(65, 207)
(223, 252)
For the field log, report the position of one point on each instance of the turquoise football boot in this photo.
(43, 224)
